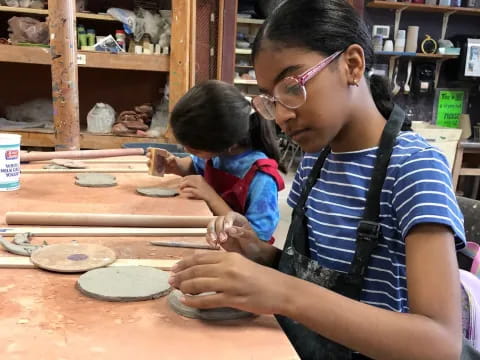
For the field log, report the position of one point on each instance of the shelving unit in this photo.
(79, 15)
(249, 27)
(399, 7)
(417, 55)
(123, 80)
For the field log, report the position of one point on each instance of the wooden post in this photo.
(63, 48)
(227, 39)
(180, 45)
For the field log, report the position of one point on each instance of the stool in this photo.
(466, 147)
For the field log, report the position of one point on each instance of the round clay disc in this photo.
(204, 314)
(73, 258)
(157, 192)
(95, 180)
(124, 283)
(69, 164)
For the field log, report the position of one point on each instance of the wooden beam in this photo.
(229, 39)
(23, 262)
(180, 45)
(103, 231)
(63, 50)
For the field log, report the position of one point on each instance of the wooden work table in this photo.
(44, 317)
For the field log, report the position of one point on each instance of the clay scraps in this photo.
(134, 122)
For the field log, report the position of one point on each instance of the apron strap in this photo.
(298, 214)
(369, 228)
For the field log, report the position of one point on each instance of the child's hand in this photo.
(236, 282)
(195, 187)
(161, 162)
(234, 233)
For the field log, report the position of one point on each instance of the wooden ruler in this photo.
(23, 262)
(77, 171)
(103, 231)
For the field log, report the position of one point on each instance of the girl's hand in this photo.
(195, 187)
(237, 282)
(234, 233)
(163, 162)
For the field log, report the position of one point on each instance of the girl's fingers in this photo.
(200, 285)
(217, 300)
(209, 258)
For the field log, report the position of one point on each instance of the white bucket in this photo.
(9, 162)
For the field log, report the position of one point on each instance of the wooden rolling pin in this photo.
(78, 154)
(113, 220)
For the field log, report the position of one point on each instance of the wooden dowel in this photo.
(112, 220)
(23, 262)
(79, 154)
(103, 231)
(183, 245)
(78, 171)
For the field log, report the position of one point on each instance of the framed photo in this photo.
(472, 61)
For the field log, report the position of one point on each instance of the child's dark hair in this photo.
(324, 26)
(214, 115)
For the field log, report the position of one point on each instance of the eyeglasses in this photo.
(290, 91)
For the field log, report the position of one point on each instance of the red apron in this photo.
(234, 190)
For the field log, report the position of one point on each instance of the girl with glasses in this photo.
(234, 155)
(368, 269)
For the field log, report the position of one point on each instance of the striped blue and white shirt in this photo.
(417, 190)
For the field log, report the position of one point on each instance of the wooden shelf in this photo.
(418, 55)
(23, 10)
(245, 82)
(125, 61)
(423, 8)
(242, 20)
(90, 16)
(244, 66)
(80, 15)
(25, 54)
(243, 51)
(46, 138)
(88, 59)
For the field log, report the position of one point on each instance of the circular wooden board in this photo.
(95, 180)
(218, 314)
(124, 283)
(157, 192)
(73, 258)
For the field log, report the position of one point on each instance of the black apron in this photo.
(295, 259)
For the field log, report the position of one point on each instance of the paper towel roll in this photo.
(412, 39)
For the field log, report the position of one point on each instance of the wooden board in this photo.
(23, 262)
(423, 8)
(79, 171)
(103, 231)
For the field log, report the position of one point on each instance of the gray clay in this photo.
(218, 314)
(25, 249)
(157, 192)
(54, 167)
(69, 164)
(95, 180)
(124, 283)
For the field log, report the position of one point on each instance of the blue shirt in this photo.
(417, 190)
(262, 199)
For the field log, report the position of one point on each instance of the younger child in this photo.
(234, 161)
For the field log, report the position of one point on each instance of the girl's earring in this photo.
(355, 83)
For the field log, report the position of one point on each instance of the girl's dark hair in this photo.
(324, 26)
(214, 115)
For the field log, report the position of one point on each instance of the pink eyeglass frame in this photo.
(304, 77)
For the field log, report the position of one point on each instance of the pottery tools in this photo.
(157, 162)
(112, 220)
(183, 245)
(78, 154)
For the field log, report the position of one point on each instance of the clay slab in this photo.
(218, 314)
(124, 283)
(95, 180)
(157, 192)
(73, 257)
